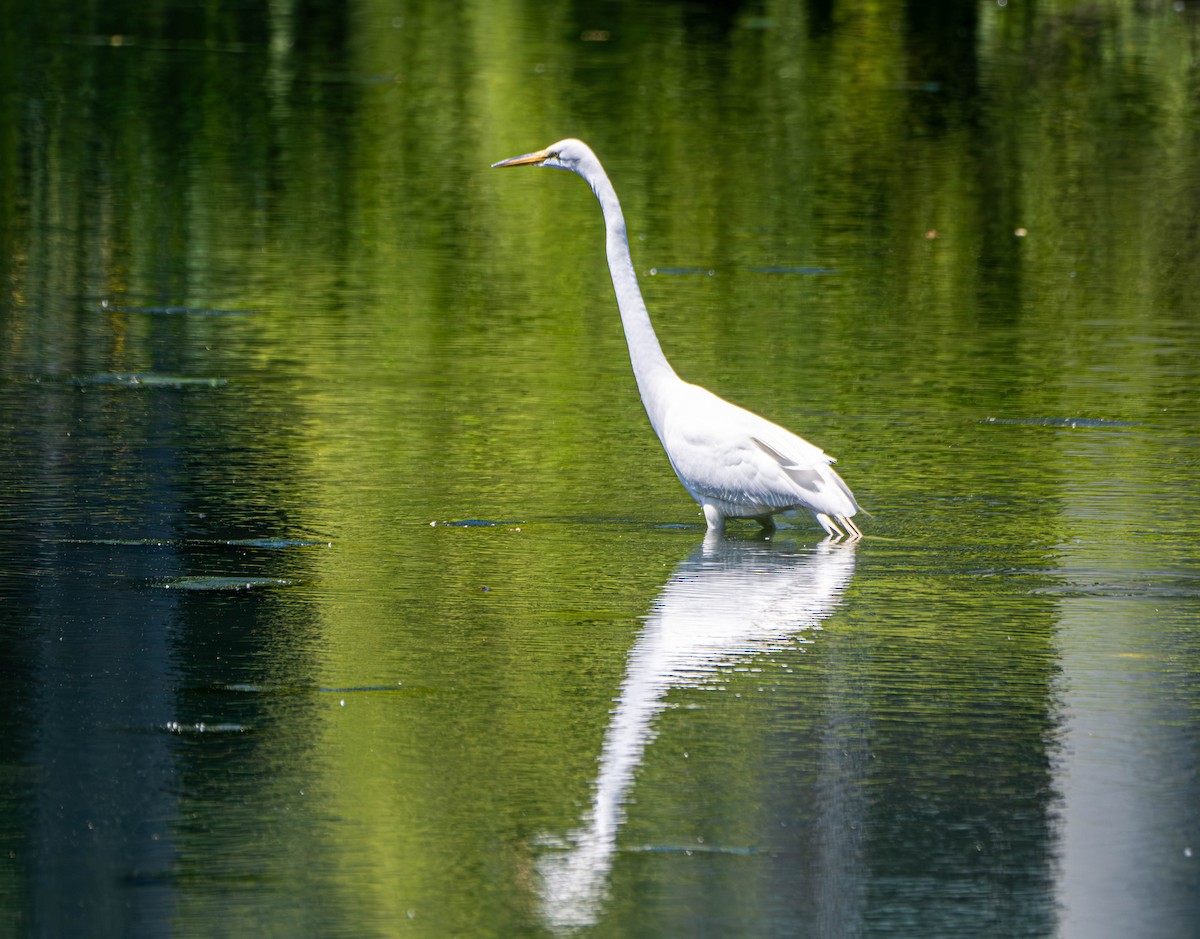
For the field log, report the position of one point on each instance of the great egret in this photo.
(733, 462)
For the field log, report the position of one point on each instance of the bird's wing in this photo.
(809, 467)
(722, 451)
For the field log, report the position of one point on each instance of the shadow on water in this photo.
(726, 602)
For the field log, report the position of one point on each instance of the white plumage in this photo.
(733, 462)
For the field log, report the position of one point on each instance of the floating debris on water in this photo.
(201, 583)
(274, 543)
(469, 523)
(174, 727)
(171, 310)
(145, 380)
(682, 272)
(806, 270)
(120, 542)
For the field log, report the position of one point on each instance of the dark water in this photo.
(345, 588)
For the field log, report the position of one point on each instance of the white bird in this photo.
(733, 462)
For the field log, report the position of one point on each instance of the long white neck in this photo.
(650, 366)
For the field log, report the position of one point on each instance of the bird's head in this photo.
(569, 154)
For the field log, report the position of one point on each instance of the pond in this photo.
(348, 592)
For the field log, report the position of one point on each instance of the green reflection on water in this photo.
(1000, 204)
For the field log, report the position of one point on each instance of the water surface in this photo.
(347, 591)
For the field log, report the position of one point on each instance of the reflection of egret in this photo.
(725, 602)
(733, 462)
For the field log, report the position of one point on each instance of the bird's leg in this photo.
(712, 515)
(767, 522)
(853, 530)
(830, 526)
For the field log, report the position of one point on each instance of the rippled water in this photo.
(347, 591)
